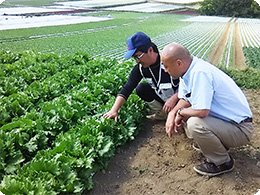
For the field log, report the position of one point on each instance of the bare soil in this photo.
(156, 164)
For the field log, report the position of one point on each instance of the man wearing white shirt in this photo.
(214, 108)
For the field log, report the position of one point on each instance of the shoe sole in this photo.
(152, 117)
(196, 148)
(212, 174)
(199, 150)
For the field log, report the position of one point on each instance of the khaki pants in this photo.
(215, 136)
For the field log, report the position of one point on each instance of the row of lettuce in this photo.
(250, 77)
(252, 56)
(53, 137)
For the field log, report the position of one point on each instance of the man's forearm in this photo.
(181, 104)
(190, 112)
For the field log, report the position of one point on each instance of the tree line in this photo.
(233, 8)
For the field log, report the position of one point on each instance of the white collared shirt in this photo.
(207, 87)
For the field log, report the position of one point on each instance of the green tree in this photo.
(255, 9)
(236, 8)
(208, 7)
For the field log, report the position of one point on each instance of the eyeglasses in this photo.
(138, 57)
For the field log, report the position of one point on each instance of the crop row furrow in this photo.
(249, 32)
(198, 38)
(207, 42)
(226, 56)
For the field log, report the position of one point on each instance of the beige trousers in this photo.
(215, 136)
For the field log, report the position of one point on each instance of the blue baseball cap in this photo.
(139, 39)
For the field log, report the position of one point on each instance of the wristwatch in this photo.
(179, 111)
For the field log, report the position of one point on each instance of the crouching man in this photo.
(160, 90)
(213, 107)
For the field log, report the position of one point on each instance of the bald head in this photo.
(175, 51)
(176, 59)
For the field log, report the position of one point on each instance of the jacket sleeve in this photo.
(132, 82)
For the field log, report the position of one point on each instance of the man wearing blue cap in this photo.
(160, 90)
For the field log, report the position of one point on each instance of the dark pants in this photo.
(147, 93)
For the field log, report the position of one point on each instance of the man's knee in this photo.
(145, 92)
(194, 126)
(141, 89)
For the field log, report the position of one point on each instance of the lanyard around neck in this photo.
(159, 80)
(160, 75)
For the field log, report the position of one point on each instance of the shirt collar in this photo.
(187, 73)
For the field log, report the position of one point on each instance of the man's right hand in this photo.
(170, 123)
(111, 115)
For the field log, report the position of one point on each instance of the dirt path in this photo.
(155, 164)
(215, 56)
(238, 59)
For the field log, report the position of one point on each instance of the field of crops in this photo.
(107, 38)
(57, 81)
(250, 31)
(94, 38)
(53, 135)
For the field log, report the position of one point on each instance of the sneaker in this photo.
(210, 169)
(196, 147)
(156, 112)
(158, 116)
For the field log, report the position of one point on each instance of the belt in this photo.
(247, 120)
